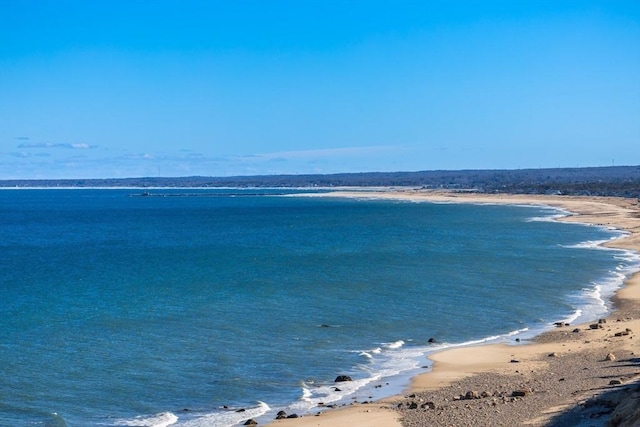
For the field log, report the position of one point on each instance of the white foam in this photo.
(501, 337)
(589, 244)
(390, 363)
(394, 345)
(573, 317)
(547, 218)
(228, 418)
(162, 419)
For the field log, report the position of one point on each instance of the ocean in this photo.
(203, 307)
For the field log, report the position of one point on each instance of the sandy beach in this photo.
(574, 375)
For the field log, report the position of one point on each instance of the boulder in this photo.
(472, 394)
(250, 422)
(343, 378)
(610, 357)
(428, 405)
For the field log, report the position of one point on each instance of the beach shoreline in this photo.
(573, 375)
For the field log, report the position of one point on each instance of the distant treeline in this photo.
(622, 181)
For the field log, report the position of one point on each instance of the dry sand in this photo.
(575, 375)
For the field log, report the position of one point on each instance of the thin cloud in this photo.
(20, 154)
(55, 145)
(26, 154)
(141, 156)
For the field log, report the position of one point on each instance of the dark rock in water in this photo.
(293, 416)
(241, 410)
(559, 324)
(281, 415)
(325, 326)
(343, 378)
(251, 422)
(431, 340)
(336, 389)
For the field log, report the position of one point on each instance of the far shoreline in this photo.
(451, 364)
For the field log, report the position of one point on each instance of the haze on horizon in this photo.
(218, 88)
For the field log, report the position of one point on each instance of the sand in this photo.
(575, 375)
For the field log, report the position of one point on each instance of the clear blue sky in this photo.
(135, 88)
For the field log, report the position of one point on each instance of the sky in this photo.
(114, 89)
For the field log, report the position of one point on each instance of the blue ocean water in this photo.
(180, 309)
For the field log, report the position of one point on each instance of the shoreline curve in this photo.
(558, 373)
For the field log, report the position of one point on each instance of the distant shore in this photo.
(568, 376)
(620, 181)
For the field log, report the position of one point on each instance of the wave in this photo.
(396, 344)
(595, 302)
(589, 244)
(572, 317)
(227, 418)
(549, 218)
(162, 419)
(223, 418)
(385, 371)
(492, 338)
